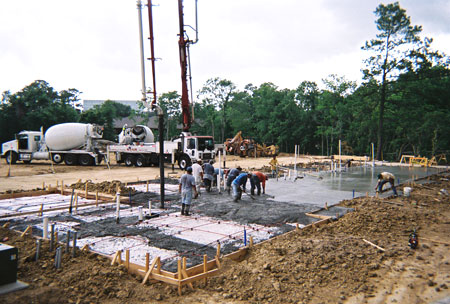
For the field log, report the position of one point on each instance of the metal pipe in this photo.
(68, 241)
(38, 249)
(152, 51)
(74, 248)
(117, 207)
(52, 236)
(141, 47)
(45, 228)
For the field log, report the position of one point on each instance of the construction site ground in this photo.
(332, 263)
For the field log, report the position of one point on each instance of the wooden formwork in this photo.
(201, 272)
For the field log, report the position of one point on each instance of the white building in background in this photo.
(90, 103)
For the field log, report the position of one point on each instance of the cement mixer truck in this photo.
(136, 147)
(73, 143)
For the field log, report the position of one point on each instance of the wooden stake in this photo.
(29, 229)
(218, 250)
(184, 273)
(376, 246)
(147, 185)
(297, 227)
(179, 277)
(41, 210)
(326, 205)
(62, 187)
(147, 261)
(6, 225)
(76, 202)
(149, 271)
(115, 257)
(127, 259)
(251, 241)
(205, 269)
(86, 190)
(85, 247)
(96, 198)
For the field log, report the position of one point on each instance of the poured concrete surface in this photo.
(215, 217)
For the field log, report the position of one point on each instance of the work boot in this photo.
(182, 208)
(186, 211)
(252, 192)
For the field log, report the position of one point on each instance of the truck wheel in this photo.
(130, 160)
(141, 161)
(57, 158)
(70, 159)
(11, 157)
(184, 162)
(86, 160)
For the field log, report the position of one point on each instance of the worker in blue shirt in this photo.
(231, 175)
(238, 185)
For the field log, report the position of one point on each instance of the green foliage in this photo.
(35, 106)
(104, 115)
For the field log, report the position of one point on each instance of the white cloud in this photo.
(93, 45)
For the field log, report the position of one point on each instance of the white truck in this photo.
(73, 143)
(137, 147)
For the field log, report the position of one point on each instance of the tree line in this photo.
(402, 105)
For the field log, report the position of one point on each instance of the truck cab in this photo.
(195, 148)
(23, 147)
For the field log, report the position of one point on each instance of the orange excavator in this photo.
(248, 147)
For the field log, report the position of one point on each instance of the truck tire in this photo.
(11, 157)
(57, 158)
(184, 161)
(86, 160)
(70, 159)
(141, 161)
(130, 160)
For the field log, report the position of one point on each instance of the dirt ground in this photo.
(328, 264)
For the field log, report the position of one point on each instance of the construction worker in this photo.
(238, 185)
(231, 175)
(197, 172)
(274, 166)
(383, 178)
(208, 177)
(187, 184)
(256, 180)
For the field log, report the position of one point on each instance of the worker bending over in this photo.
(231, 175)
(383, 178)
(256, 180)
(187, 184)
(238, 185)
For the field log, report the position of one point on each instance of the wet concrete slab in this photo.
(215, 218)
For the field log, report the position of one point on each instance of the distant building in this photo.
(90, 103)
(151, 122)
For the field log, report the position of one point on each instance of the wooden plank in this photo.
(239, 255)
(322, 217)
(29, 229)
(376, 246)
(47, 210)
(435, 241)
(162, 278)
(149, 272)
(200, 276)
(26, 194)
(85, 248)
(218, 261)
(115, 257)
(185, 276)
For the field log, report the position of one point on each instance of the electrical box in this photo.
(8, 264)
